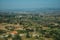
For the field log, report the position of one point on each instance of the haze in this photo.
(23, 4)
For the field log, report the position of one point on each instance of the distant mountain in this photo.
(34, 10)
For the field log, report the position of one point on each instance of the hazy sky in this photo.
(18, 4)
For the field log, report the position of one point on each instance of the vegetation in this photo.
(30, 27)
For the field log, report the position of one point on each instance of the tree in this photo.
(10, 28)
(2, 31)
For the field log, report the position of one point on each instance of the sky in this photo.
(23, 4)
